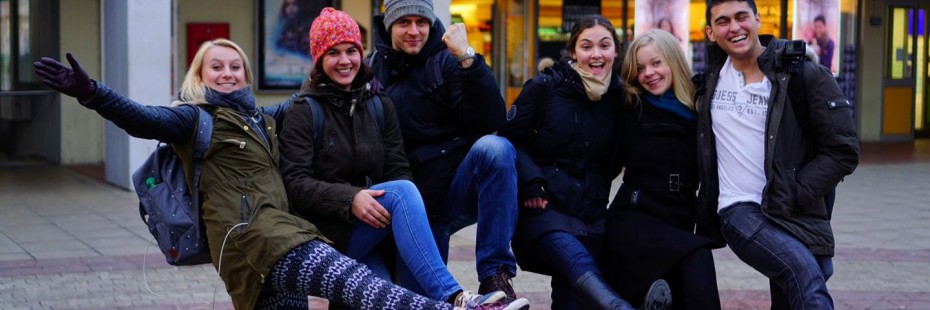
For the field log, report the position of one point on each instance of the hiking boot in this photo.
(516, 304)
(466, 298)
(659, 296)
(500, 281)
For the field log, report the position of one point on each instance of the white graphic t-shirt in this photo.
(738, 112)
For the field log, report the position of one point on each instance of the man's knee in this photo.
(495, 148)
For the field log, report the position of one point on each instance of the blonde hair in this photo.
(669, 52)
(192, 89)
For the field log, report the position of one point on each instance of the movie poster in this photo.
(817, 23)
(284, 59)
(668, 15)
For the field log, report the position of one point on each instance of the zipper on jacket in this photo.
(235, 141)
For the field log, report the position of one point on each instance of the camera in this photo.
(793, 54)
(795, 48)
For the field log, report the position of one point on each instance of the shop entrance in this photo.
(29, 113)
(904, 111)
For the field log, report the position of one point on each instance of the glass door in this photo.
(900, 85)
(922, 99)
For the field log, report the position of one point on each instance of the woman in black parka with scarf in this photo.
(564, 125)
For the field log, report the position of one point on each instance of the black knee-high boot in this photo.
(593, 291)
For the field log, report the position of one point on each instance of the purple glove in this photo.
(72, 82)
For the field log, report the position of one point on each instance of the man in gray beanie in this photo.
(449, 106)
(394, 9)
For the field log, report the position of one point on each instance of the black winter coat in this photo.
(804, 159)
(651, 220)
(566, 155)
(441, 115)
(353, 155)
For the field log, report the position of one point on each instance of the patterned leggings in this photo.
(315, 268)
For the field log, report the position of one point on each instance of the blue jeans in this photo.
(484, 191)
(778, 255)
(569, 259)
(421, 263)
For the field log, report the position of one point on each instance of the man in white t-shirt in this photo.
(769, 166)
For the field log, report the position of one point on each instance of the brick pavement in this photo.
(68, 241)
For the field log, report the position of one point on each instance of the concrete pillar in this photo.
(136, 63)
(441, 8)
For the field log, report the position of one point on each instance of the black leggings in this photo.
(315, 268)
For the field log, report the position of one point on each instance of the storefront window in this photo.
(900, 49)
(478, 19)
(555, 20)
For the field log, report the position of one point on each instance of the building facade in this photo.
(880, 56)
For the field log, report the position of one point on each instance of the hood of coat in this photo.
(398, 59)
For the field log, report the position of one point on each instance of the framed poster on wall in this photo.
(284, 59)
(668, 15)
(817, 22)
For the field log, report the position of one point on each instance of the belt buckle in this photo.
(674, 182)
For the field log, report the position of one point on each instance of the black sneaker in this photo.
(659, 296)
(499, 282)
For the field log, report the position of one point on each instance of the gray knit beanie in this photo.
(395, 9)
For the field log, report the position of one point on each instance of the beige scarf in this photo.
(593, 87)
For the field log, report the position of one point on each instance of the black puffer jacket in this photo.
(441, 115)
(570, 160)
(353, 155)
(802, 164)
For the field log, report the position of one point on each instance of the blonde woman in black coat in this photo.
(652, 218)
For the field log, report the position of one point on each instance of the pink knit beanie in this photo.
(332, 28)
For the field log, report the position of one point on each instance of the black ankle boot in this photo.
(594, 293)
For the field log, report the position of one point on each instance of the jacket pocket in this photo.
(237, 142)
(246, 209)
(782, 191)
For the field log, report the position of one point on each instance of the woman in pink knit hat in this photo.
(350, 175)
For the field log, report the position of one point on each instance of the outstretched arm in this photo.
(167, 124)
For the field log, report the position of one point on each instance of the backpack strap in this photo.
(316, 114)
(797, 93)
(201, 144)
(376, 109)
(434, 66)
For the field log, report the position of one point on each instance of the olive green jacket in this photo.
(253, 193)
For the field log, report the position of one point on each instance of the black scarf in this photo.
(242, 100)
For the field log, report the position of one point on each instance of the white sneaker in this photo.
(516, 304)
(468, 299)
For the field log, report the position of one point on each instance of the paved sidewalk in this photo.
(68, 241)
